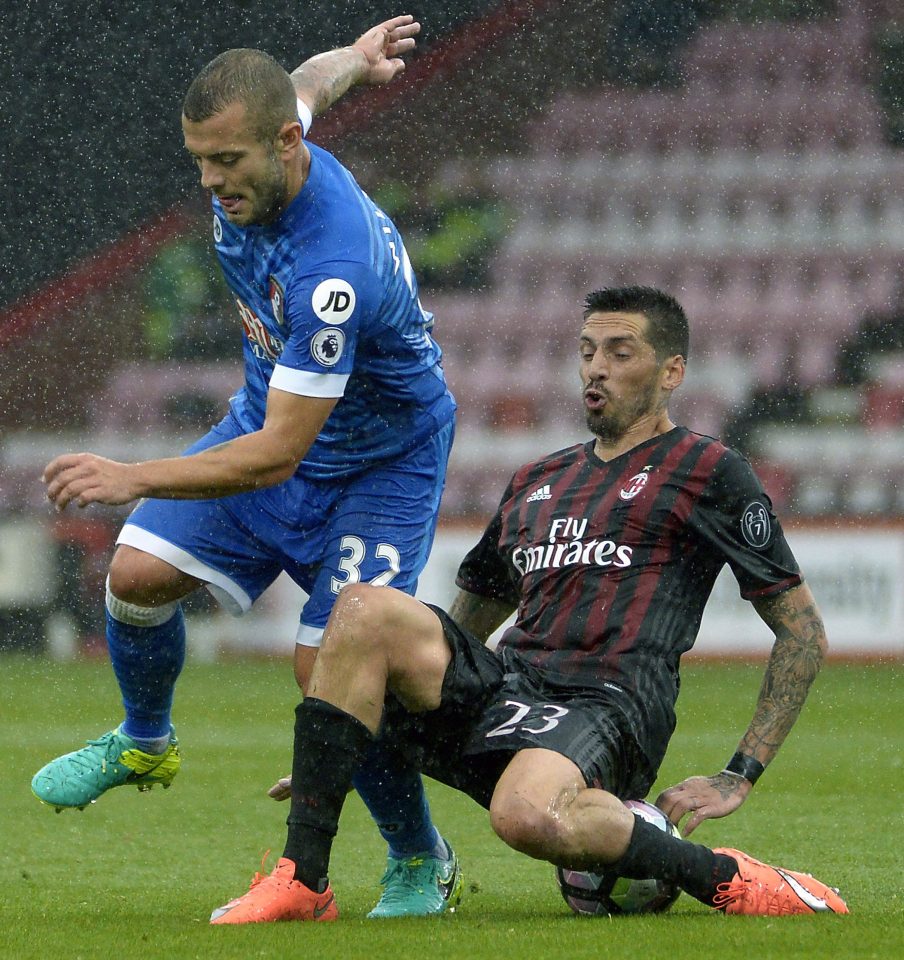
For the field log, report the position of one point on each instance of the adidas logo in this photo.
(541, 493)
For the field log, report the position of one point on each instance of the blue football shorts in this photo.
(376, 527)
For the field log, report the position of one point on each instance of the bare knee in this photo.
(388, 634)
(357, 624)
(145, 580)
(576, 827)
(525, 827)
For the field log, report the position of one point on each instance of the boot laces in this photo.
(261, 875)
(402, 876)
(771, 902)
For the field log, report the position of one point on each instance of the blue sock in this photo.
(394, 795)
(147, 662)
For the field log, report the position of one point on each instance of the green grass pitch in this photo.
(136, 875)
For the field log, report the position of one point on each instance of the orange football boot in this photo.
(278, 896)
(760, 890)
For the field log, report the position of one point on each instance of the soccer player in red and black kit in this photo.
(608, 550)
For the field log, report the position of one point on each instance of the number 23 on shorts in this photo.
(548, 719)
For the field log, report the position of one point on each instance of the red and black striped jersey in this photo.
(610, 564)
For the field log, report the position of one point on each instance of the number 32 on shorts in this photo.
(354, 552)
(550, 714)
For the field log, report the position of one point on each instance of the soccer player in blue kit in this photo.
(331, 460)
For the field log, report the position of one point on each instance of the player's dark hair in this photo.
(667, 328)
(250, 77)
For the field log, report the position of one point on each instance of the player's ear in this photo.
(673, 372)
(290, 136)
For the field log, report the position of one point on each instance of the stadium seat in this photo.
(145, 395)
(867, 494)
(884, 406)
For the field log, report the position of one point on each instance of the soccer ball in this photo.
(606, 894)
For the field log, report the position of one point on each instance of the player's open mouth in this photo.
(594, 399)
(230, 204)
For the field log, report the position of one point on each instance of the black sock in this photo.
(695, 868)
(329, 746)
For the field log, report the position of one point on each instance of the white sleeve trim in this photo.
(308, 636)
(305, 116)
(308, 384)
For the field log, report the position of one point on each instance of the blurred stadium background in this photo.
(745, 156)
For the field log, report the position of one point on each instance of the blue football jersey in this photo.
(329, 308)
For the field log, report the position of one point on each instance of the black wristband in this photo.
(747, 767)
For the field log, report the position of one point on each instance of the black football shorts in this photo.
(493, 707)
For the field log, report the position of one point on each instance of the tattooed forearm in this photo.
(797, 654)
(478, 615)
(323, 79)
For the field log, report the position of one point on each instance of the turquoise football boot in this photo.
(114, 760)
(420, 886)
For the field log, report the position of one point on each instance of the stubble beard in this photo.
(610, 424)
(271, 195)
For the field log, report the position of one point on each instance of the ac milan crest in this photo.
(635, 485)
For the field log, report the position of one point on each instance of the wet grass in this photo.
(137, 874)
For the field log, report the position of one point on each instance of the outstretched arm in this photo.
(797, 654)
(374, 58)
(253, 460)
